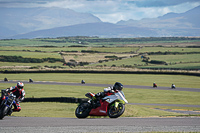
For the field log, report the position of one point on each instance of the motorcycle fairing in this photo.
(119, 95)
(115, 99)
(100, 111)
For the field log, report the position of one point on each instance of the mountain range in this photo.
(17, 23)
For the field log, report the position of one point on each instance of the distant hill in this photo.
(171, 24)
(189, 19)
(56, 22)
(90, 29)
(22, 20)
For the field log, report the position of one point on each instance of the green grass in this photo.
(91, 57)
(115, 49)
(176, 58)
(143, 111)
(9, 47)
(31, 54)
(132, 95)
(126, 79)
(67, 109)
(168, 49)
(99, 42)
(129, 61)
(185, 61)
(16, 65)
(46, 109)
(174, 66)
(53, 109)
(46, 49)
(29, 42)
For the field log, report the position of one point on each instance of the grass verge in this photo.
(53, 109)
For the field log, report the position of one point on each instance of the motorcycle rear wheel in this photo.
(83, 110)
(114, 112)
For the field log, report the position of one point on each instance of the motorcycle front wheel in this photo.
(3, 112)
(83, 110)
(114, 112)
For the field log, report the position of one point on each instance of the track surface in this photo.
(105, 85)
(49, 125)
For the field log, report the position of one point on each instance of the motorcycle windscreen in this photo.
(122, 96)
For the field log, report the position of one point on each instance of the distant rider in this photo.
(173, 86)
(19, 92)
(154, 84)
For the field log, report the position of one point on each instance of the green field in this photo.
(169, 49)
(30, 54)
(104, 54)
(126, 79)
(132, 95)
(93, 52)
(95, 41)
(42, 49)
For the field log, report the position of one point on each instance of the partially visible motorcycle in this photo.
(112, 105)
(6, 103)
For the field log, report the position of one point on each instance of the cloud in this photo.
(112, 10)
(160, 3)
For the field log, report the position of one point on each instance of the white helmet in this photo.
(20, 85)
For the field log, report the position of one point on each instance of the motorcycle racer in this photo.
(154, 85)
(173, 86)
(111, 102)
(19, 92)
(107, 91)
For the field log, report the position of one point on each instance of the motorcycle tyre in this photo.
(119, 113)
(3, 112)
(85, 113)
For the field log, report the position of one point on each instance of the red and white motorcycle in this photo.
(112, 105)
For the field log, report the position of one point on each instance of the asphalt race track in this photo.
(52, 125)
(131, 124)
(104, 85)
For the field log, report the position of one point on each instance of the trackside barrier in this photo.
(56, 99)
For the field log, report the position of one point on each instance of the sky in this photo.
(112, 10)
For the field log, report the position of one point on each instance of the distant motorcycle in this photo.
(6, 104)
(82, 82)
(30, 80)
(154, 85)
(5, 79)
(112, 105)
(173, 86)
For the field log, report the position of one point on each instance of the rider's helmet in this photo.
(118, 86)
(20, 85)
